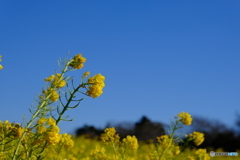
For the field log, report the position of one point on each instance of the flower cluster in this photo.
(42, 133)
(110, 135)
(53, 94)
(99, 153)
(164, 140)
(185, 118)
(167, 143)
(197, 138)
(131, 142)
(11, 129)
(50, 133)
(1, 67)
(97, 84)
(56, 80)
(66, 140)
(202, 154)
(77, 62)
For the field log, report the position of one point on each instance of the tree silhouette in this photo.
(145, 129)
(217, 135)
(89, 131)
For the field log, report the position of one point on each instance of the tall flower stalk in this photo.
(46, 130)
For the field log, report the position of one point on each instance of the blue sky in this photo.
(159, 57)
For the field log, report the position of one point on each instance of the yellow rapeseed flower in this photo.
(41, 129)
(54, 96)
(86, 74)
(95, 89)
(99, 153)
(78, 61)
(185, 118)
(131, 142)
(176, 150)
(164, 140)
(50, 78)
(42, 120)
(197, 137)
(52, 137)
(1, 67)
(110, 135)
(202, 154)
(17, 130)
(51, 121)
(58, 81)
(67, 141)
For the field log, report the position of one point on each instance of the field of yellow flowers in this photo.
(39, 137)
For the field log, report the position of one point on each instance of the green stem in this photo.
(68, 103)
(171, 138)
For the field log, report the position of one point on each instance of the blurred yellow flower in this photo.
(51, 121)
(50, 78)
(185, 118)
(110, 135)
(67, 141)
(95, 89)
(42, 120)
(86, 74)
(1, 67)
(197, 137)
(131, 142)
(202, 154)
(78, 61)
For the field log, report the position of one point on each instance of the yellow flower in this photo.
(164, 140)
(131, 142)
(86, 74)
(185, 118)
(42, 120)
(1, 67)
(61, 84)
(54, 128)
(58, 81)
(51, 122)
(202, 154)
(54, 96)
(95, 89)
(41, 129)
(50, 78)
(67, 141)
(78, 61)
(98, 153)
(176, 150)
(197, 137)
(52, 137)
(110, 135)
(17, 131)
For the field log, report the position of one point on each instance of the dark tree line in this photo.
(144, 130)
(217, 135)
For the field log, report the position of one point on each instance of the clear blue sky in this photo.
(159, 57)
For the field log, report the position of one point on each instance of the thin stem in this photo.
(171, 138)
(68, 103)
